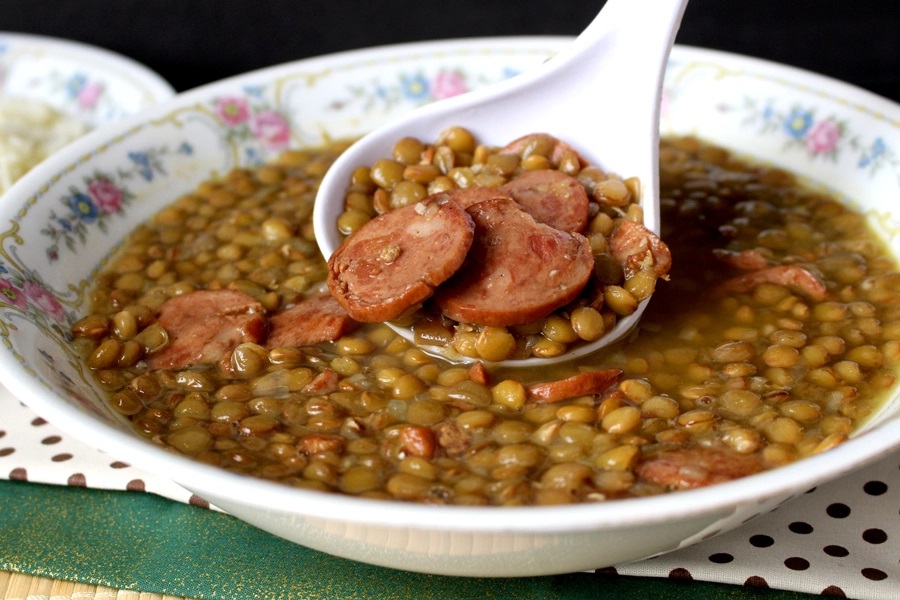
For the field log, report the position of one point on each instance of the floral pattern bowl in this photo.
(62, 221)
(93, 85)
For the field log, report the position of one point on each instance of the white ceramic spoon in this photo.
(601, 95)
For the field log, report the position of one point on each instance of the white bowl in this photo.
(830, 132)
(93, 85)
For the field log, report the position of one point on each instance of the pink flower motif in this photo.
(823, 137)
(11, 295)
(89, 95)
(233, 110)
(272, 129)
(106, 195)
(447, 84)
(44, 300)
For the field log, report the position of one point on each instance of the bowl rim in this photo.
(218, 485)
(117, 63)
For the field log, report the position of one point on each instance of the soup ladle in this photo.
(601, 94)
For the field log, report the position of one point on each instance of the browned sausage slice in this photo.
(634, 246)
(545, 145)
(518, 270)
(750, 259)
(697, 467)
(397, 259)
(316, 319)
(204, 326)
(795, 278)
(551, 197)
(466, 197)
(583, 384)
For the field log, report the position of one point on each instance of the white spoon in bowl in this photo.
(601, 95)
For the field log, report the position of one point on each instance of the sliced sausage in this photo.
(551, 197)
(466, 197)
(634, 246)
(545, 145)
(583, 384)
(750, 259)
(697, 467)
(795, 278)
(204, 326)
(312, 321)
(517, 271)
(397, 259)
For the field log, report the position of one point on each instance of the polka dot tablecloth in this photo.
(841, 539)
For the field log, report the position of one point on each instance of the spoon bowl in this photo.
(601, 95)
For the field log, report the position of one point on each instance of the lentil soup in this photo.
(777, 335)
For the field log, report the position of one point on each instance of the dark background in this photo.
(191, 42)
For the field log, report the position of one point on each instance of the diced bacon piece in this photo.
(417, 440)
(452, 440)
(324, 383)
(479, 374)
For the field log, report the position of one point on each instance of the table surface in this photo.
(19, 586)
(141, 541)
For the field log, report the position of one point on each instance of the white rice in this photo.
(30, 131)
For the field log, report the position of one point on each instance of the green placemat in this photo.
(143, 542)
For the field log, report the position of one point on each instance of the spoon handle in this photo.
(610, 78)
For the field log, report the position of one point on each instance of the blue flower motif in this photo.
(878, 148)
(186, 149)
(83, 207)
(509, 72)
(75, 84)
(768, 112)
(254, 90)
(798, 123)
(65, 224)
(253, 156)
(415, 87)
(3, 269)
(142, 162)
(876, 151)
